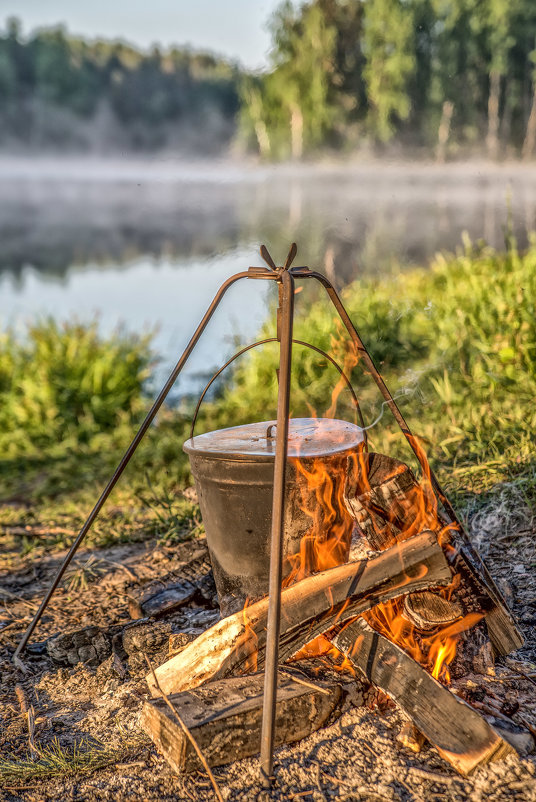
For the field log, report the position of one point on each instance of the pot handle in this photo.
(269, 435)
(275, 340)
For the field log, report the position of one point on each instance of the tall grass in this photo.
(67, 383)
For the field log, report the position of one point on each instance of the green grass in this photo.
(456, 342)
(56, 760)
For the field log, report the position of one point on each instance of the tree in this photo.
(499, 16)
(390, 62)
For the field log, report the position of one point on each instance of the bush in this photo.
(66, 382)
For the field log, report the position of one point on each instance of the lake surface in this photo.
(145, 245)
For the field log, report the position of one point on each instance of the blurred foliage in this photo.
(440, 74)
(61, 90)
(67, 382)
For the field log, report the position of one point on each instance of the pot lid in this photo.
(308, 437)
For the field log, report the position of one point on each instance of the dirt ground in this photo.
(86, 714)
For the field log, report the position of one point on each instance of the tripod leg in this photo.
(285, 319)
(128, 455)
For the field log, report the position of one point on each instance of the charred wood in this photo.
(459, 733)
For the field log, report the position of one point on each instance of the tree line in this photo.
(62, 91)
(452, 77)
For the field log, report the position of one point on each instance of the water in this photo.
(145, 245)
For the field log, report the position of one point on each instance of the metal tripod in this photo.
(285, 277)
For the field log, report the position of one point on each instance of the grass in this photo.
(456, 342)
(55, 760)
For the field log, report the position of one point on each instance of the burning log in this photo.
(460, 734)
(236, 644)
(224, 717)
(389, 505)
(380, 496)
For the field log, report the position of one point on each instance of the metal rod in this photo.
(285, 319)
(252, 273)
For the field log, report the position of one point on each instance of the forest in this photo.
(450, 78)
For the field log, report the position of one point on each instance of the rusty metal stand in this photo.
(285, 277)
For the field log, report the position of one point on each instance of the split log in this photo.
(236, 644)
(380, 497)
(459, 733)
(225, 717)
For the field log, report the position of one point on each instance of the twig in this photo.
(127, 571)
(186, 731)
(11, 595)
(433, 776)
(335, 780)
(369, 747)
(526, 724)
(304, 682)
(522, 673)
(29, 713)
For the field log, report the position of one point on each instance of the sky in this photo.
(234, 28)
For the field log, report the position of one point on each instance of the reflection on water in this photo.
(147, 244)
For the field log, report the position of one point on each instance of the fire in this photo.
(435, 651)
(248, 642)
(324, 486)
(326, 653)
(327, 541)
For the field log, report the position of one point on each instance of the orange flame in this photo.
(326, 543)
(248, 642)
(326, 653)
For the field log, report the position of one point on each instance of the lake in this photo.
(145, 244)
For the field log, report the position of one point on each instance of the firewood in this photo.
(308, 608)
(378, 497)
(225, 717)
(428, 610)
(459, 733)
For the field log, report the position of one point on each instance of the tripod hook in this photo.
(270, 262)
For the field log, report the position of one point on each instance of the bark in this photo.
(530, 135)
(492, 139)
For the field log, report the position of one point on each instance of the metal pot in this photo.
(233, 472)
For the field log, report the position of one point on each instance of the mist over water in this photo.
(146, 244)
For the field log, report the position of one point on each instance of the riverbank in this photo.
(457, 344)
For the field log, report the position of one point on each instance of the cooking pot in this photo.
(233, 470)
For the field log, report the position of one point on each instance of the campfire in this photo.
(342, 578)
(404, 617)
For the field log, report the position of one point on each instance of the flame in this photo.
(351, 358)
(327, 654)
(327, 541)
(413, 507)
(248, 642)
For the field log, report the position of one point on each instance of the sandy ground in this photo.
(357, 758)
